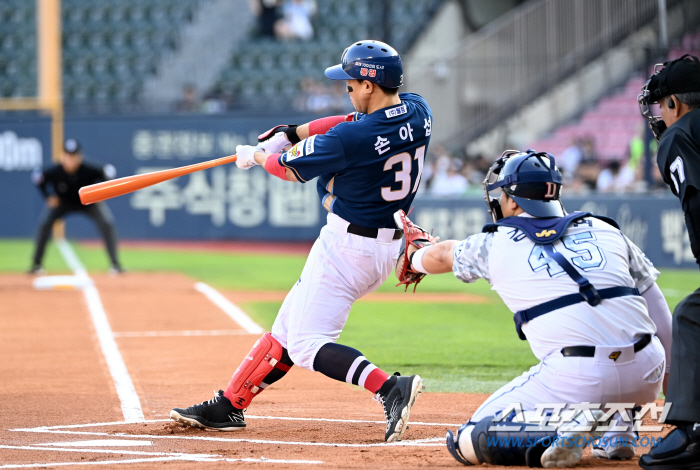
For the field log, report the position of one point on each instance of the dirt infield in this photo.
(60, 404)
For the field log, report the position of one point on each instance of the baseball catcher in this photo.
(585, 298)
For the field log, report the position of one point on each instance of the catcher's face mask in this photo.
(493, 204)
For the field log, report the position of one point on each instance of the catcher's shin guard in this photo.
(476, 444)
(246, 382)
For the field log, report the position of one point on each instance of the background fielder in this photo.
(59, 185)
(598, 353)
(368, 166)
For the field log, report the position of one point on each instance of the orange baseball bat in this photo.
(120, 186)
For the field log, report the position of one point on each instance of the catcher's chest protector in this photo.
(544, 232)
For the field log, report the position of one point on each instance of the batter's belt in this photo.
(370, 232)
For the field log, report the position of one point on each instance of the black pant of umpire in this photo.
(684, 378)
(98, 212)
(680, 449)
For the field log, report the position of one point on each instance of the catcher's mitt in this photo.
(415, 238)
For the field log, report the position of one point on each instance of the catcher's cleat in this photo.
(619, 452)
(566, 452)
(397, 403)
(217, 414)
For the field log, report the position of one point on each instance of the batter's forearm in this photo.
(303, 131)
(322, 125)
(273, 167)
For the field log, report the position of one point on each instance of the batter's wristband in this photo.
(417, 260)
(272, 166)
(292, 135)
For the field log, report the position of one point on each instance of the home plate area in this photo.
(296, 441)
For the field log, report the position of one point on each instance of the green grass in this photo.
(454, 346)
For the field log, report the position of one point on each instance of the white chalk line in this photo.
(64, 430)
(110, 451)
(229, 308)
(284, 418)
(154, 334)
(130, 403)
(431, 442)
(71, 258)
(101, 462)
(164, 456)
(98, 443)
(155, 457)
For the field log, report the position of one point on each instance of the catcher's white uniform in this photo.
(524, 277)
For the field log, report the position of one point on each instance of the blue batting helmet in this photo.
(370, 60)
(531, 179)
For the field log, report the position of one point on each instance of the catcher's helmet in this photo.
(370, 60)
(530, 178)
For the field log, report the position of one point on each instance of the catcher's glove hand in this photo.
(415, 238)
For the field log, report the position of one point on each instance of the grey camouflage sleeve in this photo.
(471, 258)
(641, 269)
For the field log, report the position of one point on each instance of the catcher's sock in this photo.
(346, 364)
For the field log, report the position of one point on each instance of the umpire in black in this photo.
(676, 88)
(60, 185)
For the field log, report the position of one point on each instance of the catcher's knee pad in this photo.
(260, 361)
(476, 444)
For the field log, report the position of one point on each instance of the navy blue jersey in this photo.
(367, 168)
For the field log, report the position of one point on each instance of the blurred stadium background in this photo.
(153, 84)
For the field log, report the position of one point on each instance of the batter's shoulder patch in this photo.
(305, 147)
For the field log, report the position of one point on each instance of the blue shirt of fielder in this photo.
(370, 167)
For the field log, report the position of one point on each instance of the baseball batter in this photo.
(585, 298)
(368, 166)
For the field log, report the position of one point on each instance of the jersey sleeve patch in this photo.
(318, 155)
(294, 152)
(642, 270)
(305, 147)
(470, 258)
(309, 145)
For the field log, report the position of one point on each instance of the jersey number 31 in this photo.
(403, 175)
